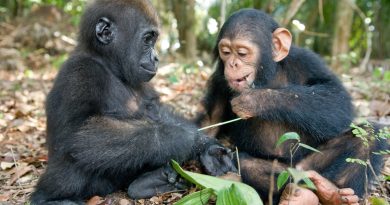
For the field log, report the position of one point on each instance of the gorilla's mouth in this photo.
(149, 69)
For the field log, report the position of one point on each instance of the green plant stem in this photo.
(219, 124)
(291, 162)
(272, 182)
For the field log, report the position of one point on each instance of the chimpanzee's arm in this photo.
(317, 109)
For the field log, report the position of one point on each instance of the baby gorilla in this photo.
(105, 124)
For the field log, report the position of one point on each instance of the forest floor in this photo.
(29, 58)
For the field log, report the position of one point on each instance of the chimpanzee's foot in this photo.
(295, 195)
(329, 194)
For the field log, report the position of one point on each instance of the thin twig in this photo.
(367, 55)
(16, 165)
(272, 182)
(376, 177)
(292, 10)
(312, 33)
(219, 124)
(366, 181)
(321, 10)
(238, 162)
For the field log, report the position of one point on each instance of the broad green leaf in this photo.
(288, 136)
(309, 147)
(230, 196)
(282, 179)
(217, 184)
(387, 178)
(309, 184)
(297, 175)
(378, 201)
(200, 197)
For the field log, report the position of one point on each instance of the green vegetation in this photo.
(227, 192)
(296, 175)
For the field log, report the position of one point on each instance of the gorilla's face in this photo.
(129, 42)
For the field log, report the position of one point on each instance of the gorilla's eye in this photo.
(150, 38)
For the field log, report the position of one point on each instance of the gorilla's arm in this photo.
(132, 144)
(124, 139)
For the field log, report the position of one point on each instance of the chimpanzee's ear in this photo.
(104, 30)
(281, 39)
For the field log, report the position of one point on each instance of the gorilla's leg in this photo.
(41, 198)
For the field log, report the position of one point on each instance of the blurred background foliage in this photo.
(347, 33)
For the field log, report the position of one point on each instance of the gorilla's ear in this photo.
(281, 39)
(105, 30)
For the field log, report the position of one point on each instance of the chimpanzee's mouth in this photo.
(245, 78)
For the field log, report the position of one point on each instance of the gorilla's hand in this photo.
(162, 180)
(217, 160)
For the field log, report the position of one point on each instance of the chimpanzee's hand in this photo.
(244, 105)
(217, 160)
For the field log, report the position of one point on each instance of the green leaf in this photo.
(217, 184)
(297, 175)
(386, 76)
(377, 73)
(309, 184)
(309, 148)
(387, 178)
(230, 196)
(288, 136)
(200, 197)
(378, 201)
(357, 161)
(282, 179)
(173, 79)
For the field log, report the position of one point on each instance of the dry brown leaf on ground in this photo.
(380, 108)
(19, 172)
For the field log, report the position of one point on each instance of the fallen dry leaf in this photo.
(4, 197)
(20, 171)
(6, 165)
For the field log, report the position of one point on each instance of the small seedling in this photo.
(367, 134)
(295, 174)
